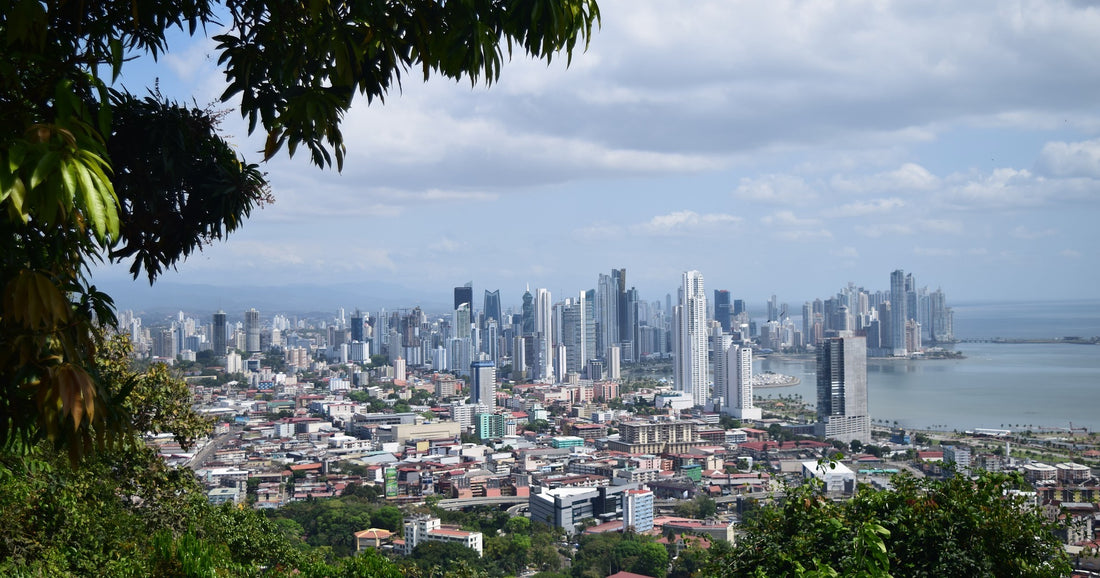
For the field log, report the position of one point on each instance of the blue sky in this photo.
(776, 146)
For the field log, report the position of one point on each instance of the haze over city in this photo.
(781, 148)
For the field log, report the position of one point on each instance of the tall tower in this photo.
(723, 309)
(357, 326)
(898, 313)
(691, 343)
(465, 294)
(607, 312)
(252, 330)
(543, 333)
(738, 401)
(483, 383)
(842, 389)
(491, 306)
(219, 334)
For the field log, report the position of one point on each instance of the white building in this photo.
(837, 477)
(638, 510)
(738, 366)
(428, 529)
(690, 340)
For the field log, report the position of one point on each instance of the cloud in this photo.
(884, 229)
(1070, 253)
(910, 177)
(845, 253)
(1023, 232)
(863, 208)
(788, 219)
(685, 222)
(804, 235)
(779, 189)
(1070, 159)
(935, 252)
(943, 226)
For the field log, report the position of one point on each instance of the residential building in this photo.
(690, 342)
(738, 379)
(422, 529)
(638, 510)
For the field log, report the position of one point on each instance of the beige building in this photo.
(404, 432)
(656, 437)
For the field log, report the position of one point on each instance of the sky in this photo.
(779, 147)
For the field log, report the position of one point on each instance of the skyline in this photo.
(783, 148)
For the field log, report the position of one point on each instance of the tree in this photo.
(89, 172)
(952, 527)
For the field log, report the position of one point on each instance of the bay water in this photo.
(997, 385)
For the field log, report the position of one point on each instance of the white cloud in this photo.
(934, 252)
(1070, 253)
(863, 208)
(884, 229)
(910, 177)
(1023, 232)
(779, 189)
(804, 235)
(942, 226)
(845, 253)
(685, 222)
(788, 219)
(1071, 159)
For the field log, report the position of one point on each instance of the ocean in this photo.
(997, 385)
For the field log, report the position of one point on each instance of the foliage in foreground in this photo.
(924, 527)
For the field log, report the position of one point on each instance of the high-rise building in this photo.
(218, 333)
(252, 331)
(738, 366)
(638, 510)
(607, 313)
(842, 389)
(527, 314)
(464, 294)
(483, 383)
(720, 341)
(544, 328)
(491, 307)
(723, 309)
(690, 355)
(357, 326)
(898, 314)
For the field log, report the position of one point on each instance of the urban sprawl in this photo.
(598, 412)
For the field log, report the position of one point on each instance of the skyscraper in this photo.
(252, 331)
(483, 383)
(357, 326)
(544, 361)
(607, 313)
(491, 307)
(842, 389)
(690, 355)
(465, 294)
(219, 334)
(898, 314)
(738, 366)
(723, 309)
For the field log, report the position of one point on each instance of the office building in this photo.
(723, 309)
(483, 383)
(842, 389)
(465, 295)
(252, 331)
(690, 346)
(491, 307)
(218, 333)
(357, 320)
(567, 507)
